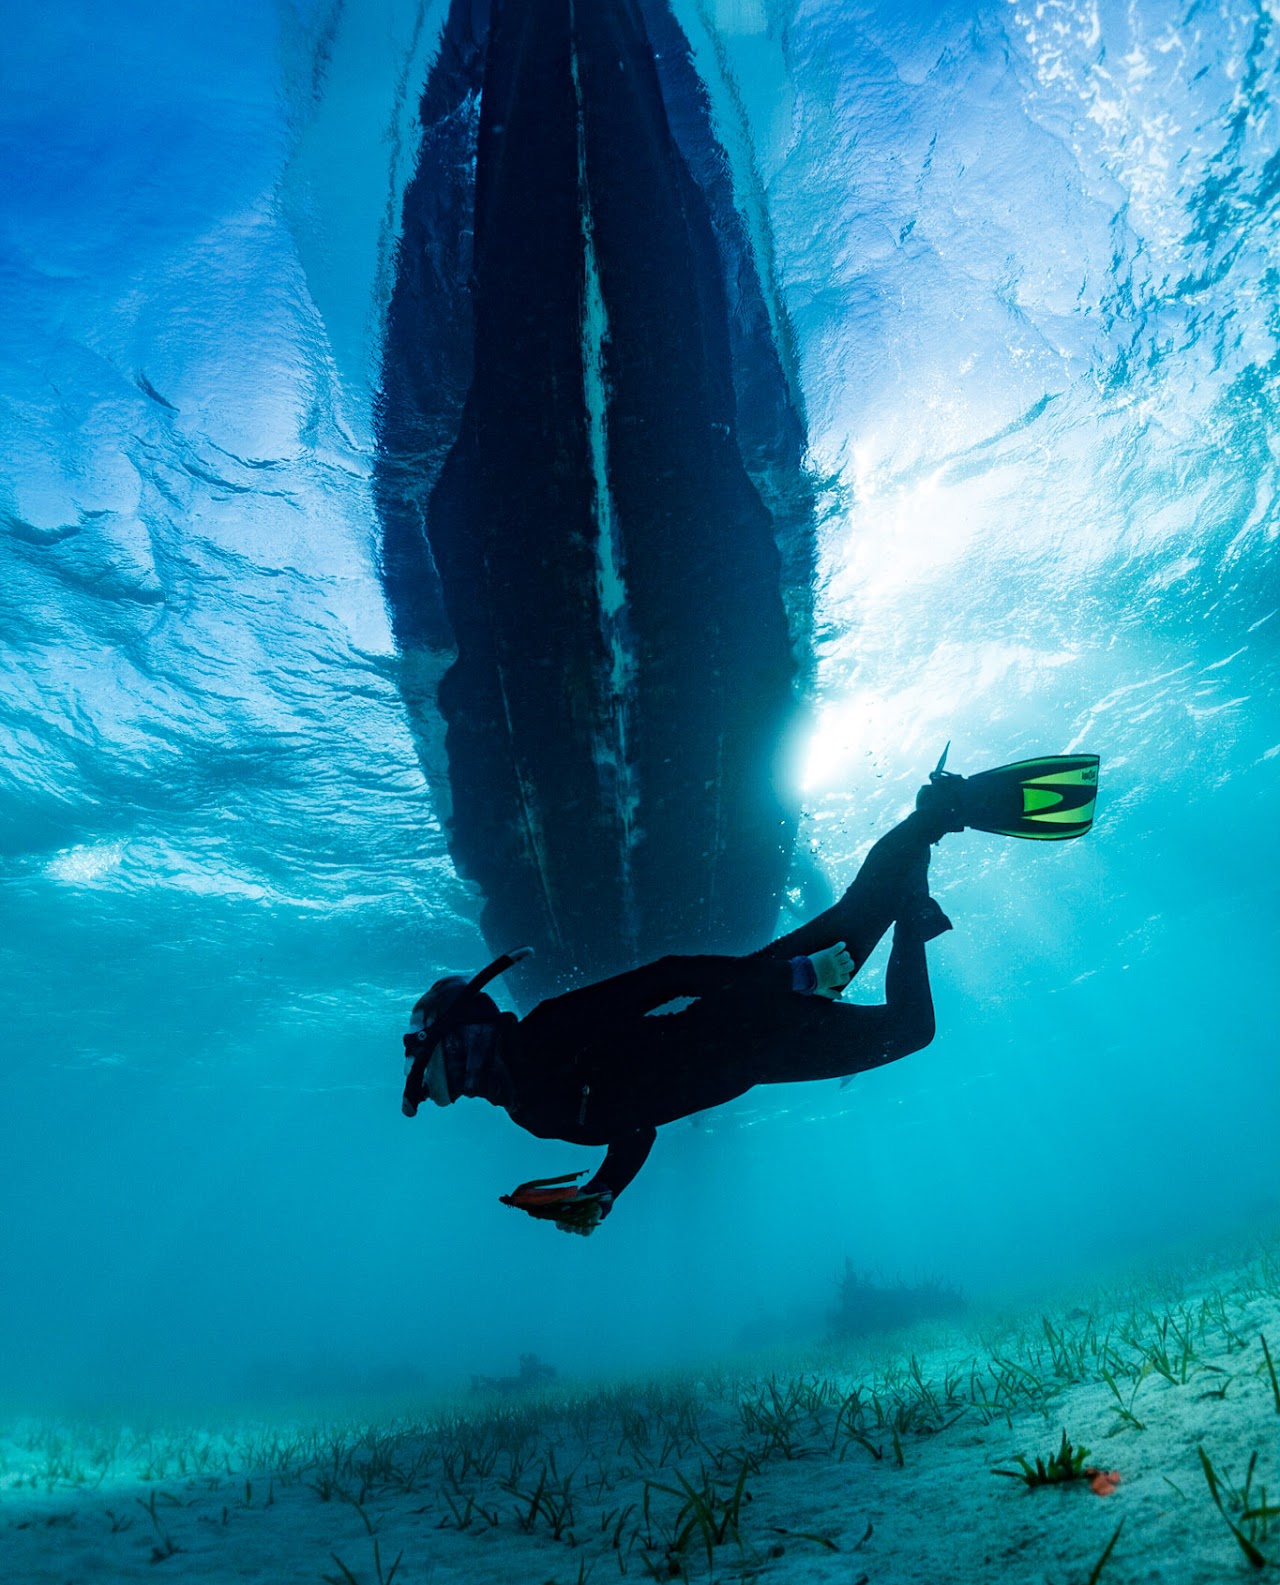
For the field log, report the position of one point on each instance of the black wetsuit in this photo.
(590, 1067)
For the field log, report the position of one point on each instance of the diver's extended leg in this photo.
(893, 879)
(812, 1039)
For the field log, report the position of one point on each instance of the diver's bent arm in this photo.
(622, 1161)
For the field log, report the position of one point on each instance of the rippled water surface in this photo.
(1022, 262)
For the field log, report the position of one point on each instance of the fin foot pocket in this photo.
(940, 802)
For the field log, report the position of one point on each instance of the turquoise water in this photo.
(1024, 260)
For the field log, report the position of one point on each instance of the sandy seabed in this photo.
(860, 1464)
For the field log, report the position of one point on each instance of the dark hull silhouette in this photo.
(569, 395)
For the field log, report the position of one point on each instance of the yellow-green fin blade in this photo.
(1046, 800)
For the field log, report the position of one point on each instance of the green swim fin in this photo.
(1045, 800)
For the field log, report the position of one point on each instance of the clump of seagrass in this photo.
(1065, 1465)
(864, 1306)
(1247, 1515)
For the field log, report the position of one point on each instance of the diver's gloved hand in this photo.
(834, 968)
(584, 1214)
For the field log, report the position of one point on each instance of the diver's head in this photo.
(427, 1010)
(427, 1055)
(441, 1083)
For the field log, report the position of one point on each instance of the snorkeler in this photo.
(603, 1066)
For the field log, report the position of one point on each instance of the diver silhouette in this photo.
(602, 1065)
